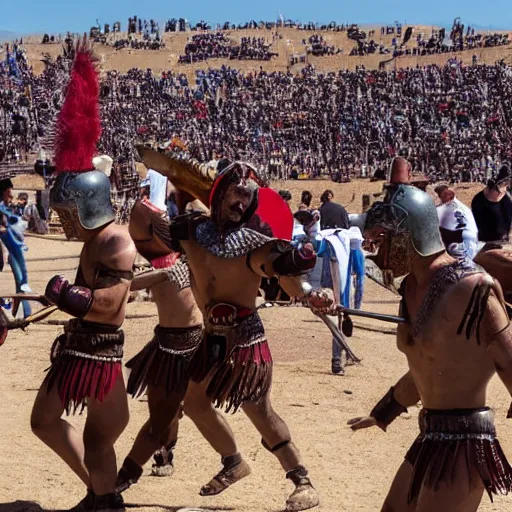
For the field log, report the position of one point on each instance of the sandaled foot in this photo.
(86, 505)
(109, 503)
(128, 475)
(304, 496)
(165, 470)
(163, 465)
(235, 468)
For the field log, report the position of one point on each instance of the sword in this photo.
(6, 324)
(392, 319)
(337, 336)
(18, 297)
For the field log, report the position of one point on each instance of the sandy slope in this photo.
(288, 43)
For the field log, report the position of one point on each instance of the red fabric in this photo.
(78, 124)
(258, 353)
(274, 210)
(166, 261)
(83, 378)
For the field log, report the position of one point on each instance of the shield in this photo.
(273, 210)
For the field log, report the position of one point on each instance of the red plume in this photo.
(78, 125)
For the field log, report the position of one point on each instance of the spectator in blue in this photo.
(11, 235)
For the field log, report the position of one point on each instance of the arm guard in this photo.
(74, 300)
(387, 410)
(183, 227)
(290, 261)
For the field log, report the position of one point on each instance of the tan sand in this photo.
(352, 471)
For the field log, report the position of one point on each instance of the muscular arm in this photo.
(405, 391)
(499, 333)
(289, 266)
(118, 253)
(402, 395)
(148, 280)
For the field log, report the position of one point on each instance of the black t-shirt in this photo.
(333, 215)
(492, 219)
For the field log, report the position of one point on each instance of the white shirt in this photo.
(456, 216)
(157, 189)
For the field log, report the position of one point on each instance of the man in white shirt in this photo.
(457, 224)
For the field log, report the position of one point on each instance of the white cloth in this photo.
(356, 238)
(157, 189)
(339, 239)
(456, 216)
(298, 233)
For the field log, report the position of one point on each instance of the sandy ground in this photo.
(288, 43)
(352, 471)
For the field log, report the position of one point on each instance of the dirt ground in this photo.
(352, 471)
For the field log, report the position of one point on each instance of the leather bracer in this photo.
(387, 410)
(183, 227)
(288, 261)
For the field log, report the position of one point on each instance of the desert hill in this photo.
(287, 42)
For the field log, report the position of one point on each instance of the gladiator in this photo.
(457, 336)
(243, 239)
(163, 365)
(86, 367)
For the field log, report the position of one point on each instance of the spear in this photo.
(7, 325)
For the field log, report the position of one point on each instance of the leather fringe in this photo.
(78, 379)
(444, 437)
(154, 367)
(244, 375)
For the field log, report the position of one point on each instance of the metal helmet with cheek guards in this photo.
(408, 210)
(84, 199)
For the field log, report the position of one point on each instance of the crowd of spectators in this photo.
(139, 44)
(369, 48)
(318, 47)
(252, 48)
(202, 47)
(217, 45)
(440, 41)
(454, 123)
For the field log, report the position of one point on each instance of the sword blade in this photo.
(392, 319)
(338, 336)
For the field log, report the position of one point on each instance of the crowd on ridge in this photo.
(202, 47)
(452, 122)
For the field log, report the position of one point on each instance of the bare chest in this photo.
(218, 278)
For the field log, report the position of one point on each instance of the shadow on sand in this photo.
(32, 506)
(21, 506)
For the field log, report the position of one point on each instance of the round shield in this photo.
(274, 210)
